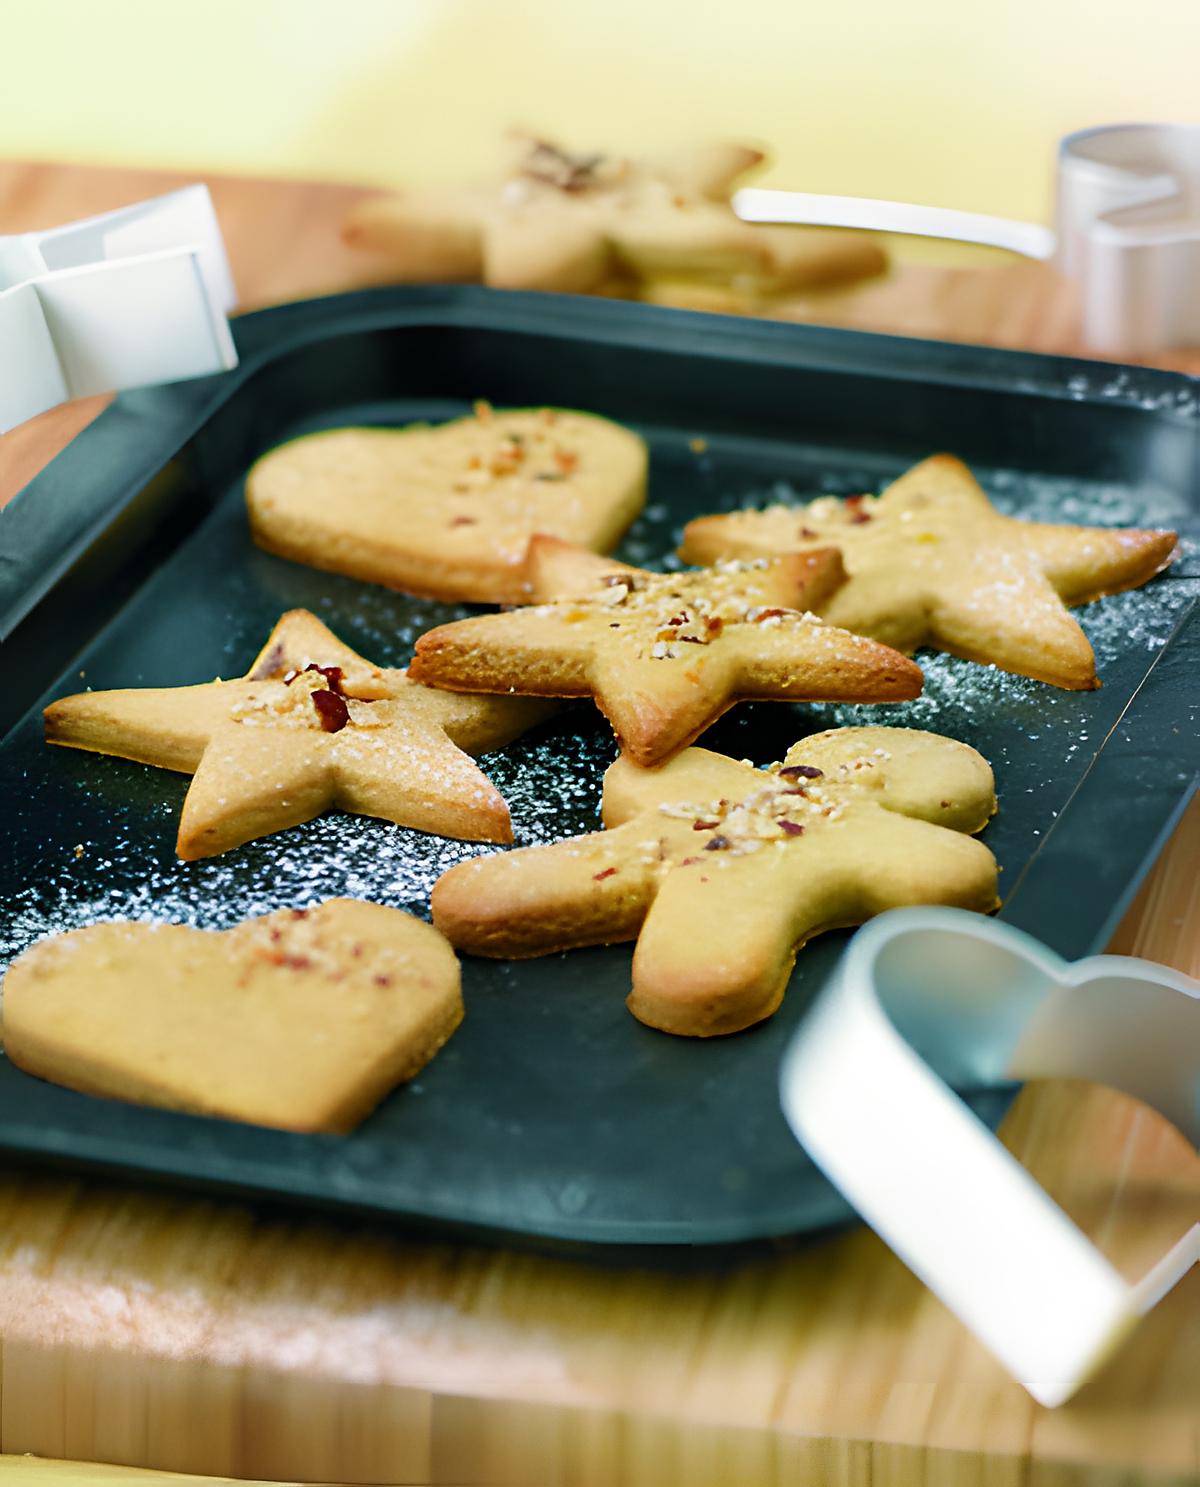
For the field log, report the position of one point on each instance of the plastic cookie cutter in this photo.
(133, 297)
(926, 998)
(1127, 212)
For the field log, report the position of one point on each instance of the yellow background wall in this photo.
(946, 101)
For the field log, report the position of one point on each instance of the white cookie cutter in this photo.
(126, 299)
(926, 995)
(1127, 212)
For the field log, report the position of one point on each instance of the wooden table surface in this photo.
(158, 1330)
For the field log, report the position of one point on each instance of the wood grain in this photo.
(192, 1336)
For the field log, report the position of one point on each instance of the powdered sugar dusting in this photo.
(549, 781)
(91, 839)
(1018, 493)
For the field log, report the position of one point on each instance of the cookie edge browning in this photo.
(970, 820)
(679, 1017)
(422, 575)
(457, 894)
(443, 659)
(79, 721)
(30, 1054)
(509, 931)
(670, 1006)
(1155, 548)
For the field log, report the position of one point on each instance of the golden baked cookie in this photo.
(311, 725)
(604, 224)
(448, 511)
(665, 654)
(721, 871)
(302, 1019)
(931, 562)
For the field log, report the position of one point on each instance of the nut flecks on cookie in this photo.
(930, 562)
(302, 1019)
(721, 871)
(448, 511)
(664, 655)
(593, 222)
(311, 725)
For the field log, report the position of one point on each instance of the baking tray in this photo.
(552, 1113)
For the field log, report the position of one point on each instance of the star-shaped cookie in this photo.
(448, 511)
(721, 871)
(931, 562)
(581, 223)
(311, 725)
(664, 655)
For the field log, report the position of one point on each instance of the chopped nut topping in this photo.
(508, 458)
(332, 675)
(332, 710)
(669, 610)
(288, 705)
(774, 813)
(555, 167)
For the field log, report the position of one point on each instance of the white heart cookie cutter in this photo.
(923, 996)
(1127, 219)
(126, 299)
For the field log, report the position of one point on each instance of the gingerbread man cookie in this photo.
(665, 654)
(587, 223)
(302, 1019)
(721, 871)
(448, 511)
(311, 725)
(930, 562)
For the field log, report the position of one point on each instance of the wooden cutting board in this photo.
(157, 1330)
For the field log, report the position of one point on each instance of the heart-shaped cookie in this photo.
(448, 512)
(302, 1019)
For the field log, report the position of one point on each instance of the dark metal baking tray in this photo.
(552, 1113)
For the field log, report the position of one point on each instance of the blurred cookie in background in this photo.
(659, 228)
